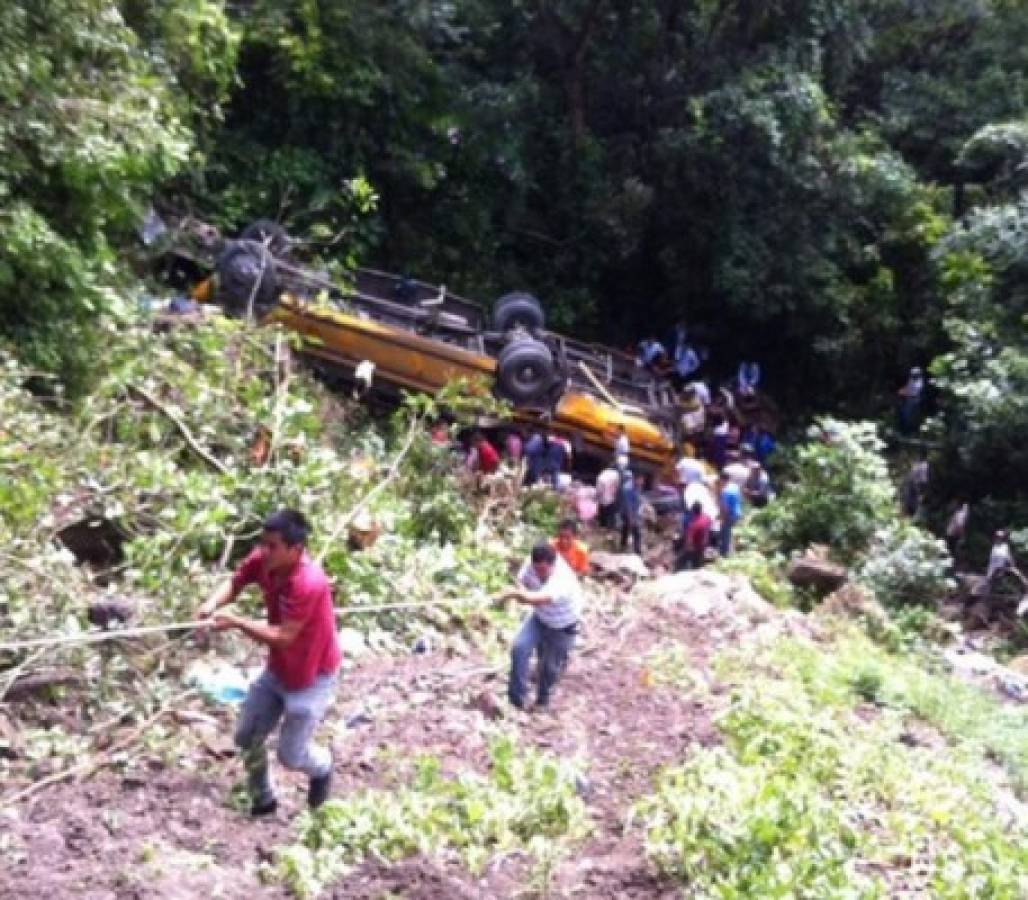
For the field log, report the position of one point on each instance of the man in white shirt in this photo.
(689, 471)
(547, 584)
(607, 494)
(622, 446)
(737, 471)
(701, 390)
(999, 557)
(698, 492)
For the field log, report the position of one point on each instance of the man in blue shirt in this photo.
(730, 497)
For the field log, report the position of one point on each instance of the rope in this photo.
(98, 637)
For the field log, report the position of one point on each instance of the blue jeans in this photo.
(725, 537)
(300, 711)
(554, 647)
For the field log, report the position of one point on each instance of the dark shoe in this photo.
(318, 790)
(264, 808)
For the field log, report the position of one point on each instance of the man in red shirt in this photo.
(696, 538)
(484, 457)
(298, 684)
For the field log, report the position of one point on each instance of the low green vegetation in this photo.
(837, 494)
(764, 573)
(526, 802)
(915, 685)
(813, 795)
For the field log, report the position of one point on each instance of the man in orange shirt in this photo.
(566, 543)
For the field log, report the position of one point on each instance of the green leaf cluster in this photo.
(808, 798)
(527, 799)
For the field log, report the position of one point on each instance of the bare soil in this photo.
(169, 828)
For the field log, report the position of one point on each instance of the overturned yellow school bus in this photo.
(421, 336)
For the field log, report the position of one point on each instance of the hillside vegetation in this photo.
(705, 741)
(837, 189)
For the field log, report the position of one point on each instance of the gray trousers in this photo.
(300, 711)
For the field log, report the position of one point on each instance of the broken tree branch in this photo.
(394, 470)
(183, 429)
(88, 766)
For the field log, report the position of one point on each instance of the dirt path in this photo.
(624, 707)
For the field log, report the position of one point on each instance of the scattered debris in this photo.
(621, 566)
(31, 684)
(487, 704)
(219, 682)
(103, 613)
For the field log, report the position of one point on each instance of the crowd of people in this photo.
(721, 473)
(725, 443)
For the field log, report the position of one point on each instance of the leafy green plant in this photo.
(906, 566)
(526, 800)
(837, 492)
(540, 509)
(808, 799)
(766, 577)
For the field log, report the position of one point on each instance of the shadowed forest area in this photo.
(834, 188)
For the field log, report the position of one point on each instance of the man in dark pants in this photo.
(695, 539)
(547, 584)
(299, 682)
(630, 511)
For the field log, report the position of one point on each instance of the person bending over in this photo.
(547, 584)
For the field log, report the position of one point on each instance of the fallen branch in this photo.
(22, 686)
(394, 470)
(18, 669)
(87, 767)
(183, 429)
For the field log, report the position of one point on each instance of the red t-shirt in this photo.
(488, 458)
(301, 595)
(697, 535)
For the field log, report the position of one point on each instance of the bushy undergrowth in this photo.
(527, 800)
(808, 799)
(188, 441)
(905, 566)
(838, 493)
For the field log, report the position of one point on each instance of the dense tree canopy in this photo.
(833, 186)
(95, 115)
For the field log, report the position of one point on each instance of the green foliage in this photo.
(117, 455)
(914, 684)
(838, 493)
(90, 128)
(983, 379)
(526, 799)
(906, 566)
(766, 577)
(540, 509)
(807, 799)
